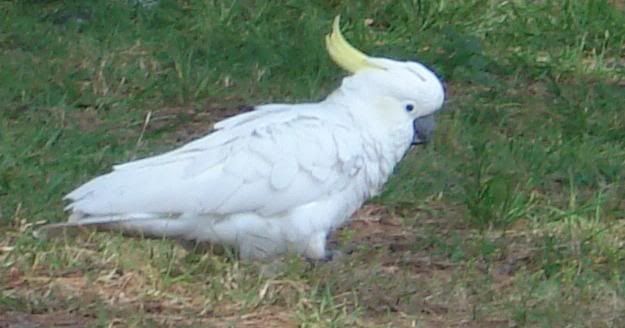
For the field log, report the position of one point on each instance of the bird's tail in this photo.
(141, 225)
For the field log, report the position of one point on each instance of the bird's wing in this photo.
(266, 161)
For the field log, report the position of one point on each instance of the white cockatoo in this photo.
(277, 179)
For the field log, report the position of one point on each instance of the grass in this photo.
(512, 217)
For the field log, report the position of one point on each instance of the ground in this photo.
(513, 216)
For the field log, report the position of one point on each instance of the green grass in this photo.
(512, 217)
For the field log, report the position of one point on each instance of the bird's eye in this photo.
(409, 107)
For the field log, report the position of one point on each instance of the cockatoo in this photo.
(278, 179)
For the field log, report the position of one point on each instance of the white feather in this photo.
(274, 180)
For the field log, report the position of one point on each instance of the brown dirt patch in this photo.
(54, 319)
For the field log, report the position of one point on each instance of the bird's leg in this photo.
(316, 248)
(317, 251)
(332, 253)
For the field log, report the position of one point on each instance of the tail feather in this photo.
(141, 225)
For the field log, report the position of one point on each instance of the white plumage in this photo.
(277, 179)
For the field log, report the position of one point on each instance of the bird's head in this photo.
(401, 92)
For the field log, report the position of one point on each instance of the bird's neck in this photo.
(384, 145)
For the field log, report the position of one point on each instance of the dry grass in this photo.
(389, 275)
(513, 217)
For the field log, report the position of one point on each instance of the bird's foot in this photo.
(333, 255)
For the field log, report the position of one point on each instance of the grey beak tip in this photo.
(423, 129)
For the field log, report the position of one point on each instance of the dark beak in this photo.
(423, 129)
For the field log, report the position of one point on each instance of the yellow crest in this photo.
(344, 54)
